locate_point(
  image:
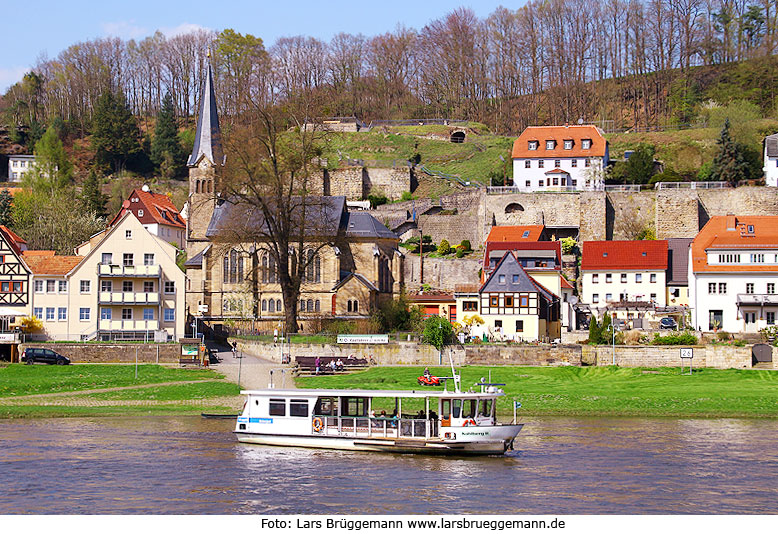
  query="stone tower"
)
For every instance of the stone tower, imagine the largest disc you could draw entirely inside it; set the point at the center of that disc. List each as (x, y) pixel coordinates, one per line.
(205, 165)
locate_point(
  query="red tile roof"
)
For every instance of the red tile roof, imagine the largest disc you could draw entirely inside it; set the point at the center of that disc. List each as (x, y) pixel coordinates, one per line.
(13, 240)
(56, 265)
(157, 209)
(515, 233)
(624, 255)
(565, 284)
(576, 133)
(716, 235)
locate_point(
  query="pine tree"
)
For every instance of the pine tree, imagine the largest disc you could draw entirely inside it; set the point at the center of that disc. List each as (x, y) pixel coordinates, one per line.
(165, 148)
(729, 165)
(594, 331)
(6, 208)
(115, 134)
(91, 195)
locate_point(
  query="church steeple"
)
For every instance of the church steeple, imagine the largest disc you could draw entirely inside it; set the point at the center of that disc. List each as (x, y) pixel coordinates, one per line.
(208, 140)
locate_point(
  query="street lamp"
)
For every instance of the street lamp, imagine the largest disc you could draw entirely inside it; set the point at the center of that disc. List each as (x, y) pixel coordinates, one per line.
(612, 327)
(440, 352)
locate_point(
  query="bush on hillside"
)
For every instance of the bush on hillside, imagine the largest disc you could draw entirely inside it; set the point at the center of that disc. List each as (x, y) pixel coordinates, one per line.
(678, 338)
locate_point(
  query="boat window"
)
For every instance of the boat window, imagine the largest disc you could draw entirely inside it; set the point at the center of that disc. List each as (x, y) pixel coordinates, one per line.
(298, 408)
(485, 408)
(325, 406)
(457, 408)
(468, 408)
(356, 407)
(278, 407)
(445, 409)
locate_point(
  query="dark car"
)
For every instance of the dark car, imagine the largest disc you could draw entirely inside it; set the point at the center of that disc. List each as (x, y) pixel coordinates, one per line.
(30, 356)
(668, 323)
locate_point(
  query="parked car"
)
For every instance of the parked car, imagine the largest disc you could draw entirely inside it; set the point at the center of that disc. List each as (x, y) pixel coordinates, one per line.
(30, 356)
(668, 323)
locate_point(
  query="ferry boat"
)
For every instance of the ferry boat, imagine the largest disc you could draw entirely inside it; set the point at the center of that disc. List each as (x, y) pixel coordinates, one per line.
(452, 422)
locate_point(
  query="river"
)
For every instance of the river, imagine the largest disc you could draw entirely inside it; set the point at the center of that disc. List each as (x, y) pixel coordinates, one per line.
(190, 465)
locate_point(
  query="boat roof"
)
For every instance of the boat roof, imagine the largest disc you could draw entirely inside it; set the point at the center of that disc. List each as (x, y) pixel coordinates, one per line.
(367, 393)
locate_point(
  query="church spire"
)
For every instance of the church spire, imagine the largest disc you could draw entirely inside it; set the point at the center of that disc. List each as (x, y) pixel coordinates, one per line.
(208, 140)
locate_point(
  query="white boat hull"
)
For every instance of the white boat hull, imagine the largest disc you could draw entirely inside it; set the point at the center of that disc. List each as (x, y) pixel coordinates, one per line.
(499, 439)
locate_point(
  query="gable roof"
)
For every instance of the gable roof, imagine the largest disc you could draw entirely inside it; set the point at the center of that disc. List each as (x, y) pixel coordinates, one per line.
(515, 233)
(13, 240)
(729, 232)
(510, 266)
(157, 208)
(346, 276)
(564, 284)
(621, 255)
(559, 134)
(325, 217)
(678, 261)
(363, 224)
(54, 265)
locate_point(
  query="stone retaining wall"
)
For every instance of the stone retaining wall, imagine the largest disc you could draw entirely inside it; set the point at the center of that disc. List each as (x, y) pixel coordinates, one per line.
(113, 353)
(410, 353)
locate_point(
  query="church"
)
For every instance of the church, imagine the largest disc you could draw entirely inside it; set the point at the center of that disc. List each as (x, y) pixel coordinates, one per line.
(355, 263)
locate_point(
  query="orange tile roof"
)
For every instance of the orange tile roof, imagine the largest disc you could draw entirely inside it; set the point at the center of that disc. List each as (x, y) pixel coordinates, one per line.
(12, 190)
(56, 265)
(565, 284)
(515, 233)
(27, 253)
(715, 235)
(624, 255)
(157, 208)
(13, 240)
(576, 133)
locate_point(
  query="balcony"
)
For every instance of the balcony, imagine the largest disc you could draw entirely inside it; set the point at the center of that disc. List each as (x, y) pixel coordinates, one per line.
(127, 325)
(128, 298)
(752, 299)
(128, 271)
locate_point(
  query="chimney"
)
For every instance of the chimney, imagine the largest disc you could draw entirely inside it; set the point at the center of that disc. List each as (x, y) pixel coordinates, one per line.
(731, 222)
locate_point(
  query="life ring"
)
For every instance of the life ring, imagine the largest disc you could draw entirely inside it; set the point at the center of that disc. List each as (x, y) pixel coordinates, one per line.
(318, 424)
(469, 422)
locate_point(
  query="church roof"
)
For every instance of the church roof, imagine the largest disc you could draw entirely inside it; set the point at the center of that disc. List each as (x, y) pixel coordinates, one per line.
(208, 139)
(362, 224)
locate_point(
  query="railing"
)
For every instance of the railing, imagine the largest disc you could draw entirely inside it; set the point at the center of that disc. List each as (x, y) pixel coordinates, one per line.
(623, 188)
(692, 185)
(512, 189)
(128, 325)
(128, 298)
(148, 271)
(757, 300)
(445, 176)
(378, 426)
(377, 163)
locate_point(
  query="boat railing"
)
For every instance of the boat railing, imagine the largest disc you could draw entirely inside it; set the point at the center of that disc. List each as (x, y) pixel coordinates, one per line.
(379, 427)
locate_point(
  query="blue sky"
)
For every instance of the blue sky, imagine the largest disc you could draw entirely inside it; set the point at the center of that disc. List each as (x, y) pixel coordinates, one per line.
(51, 26)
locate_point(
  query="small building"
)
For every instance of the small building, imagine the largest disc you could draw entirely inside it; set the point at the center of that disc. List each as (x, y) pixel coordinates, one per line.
(516, 307)
(19, 165)
(770, 157)
(733, 274)
(157, 214)
(559, 158)
(629, 272)
(678, 271)
(438, 304)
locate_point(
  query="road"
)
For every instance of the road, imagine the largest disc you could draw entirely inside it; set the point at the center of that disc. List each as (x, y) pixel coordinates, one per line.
(252, 372)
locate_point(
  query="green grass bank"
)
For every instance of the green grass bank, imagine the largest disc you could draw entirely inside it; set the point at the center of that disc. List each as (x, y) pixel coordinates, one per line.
(100, 390)
(597, 391)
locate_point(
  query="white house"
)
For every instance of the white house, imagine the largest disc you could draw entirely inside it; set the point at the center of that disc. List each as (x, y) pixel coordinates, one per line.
(553, 158)
(18, 165)
(771, 160)
(624, 276)
(733, 273)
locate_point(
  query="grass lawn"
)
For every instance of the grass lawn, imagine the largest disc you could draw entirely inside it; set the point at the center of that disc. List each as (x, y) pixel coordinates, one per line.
(204, 390)
(596, 391)
(19, 412)
(19, 379)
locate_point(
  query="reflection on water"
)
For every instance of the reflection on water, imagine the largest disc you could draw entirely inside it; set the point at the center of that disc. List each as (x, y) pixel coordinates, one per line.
(183, 465)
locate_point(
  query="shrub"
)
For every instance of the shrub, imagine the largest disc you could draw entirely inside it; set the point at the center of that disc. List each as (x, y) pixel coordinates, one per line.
(460, 252)
(568, 245)
(465, 244)
(722, 336)
(444, 247)
(377, 200)
(407, 196)
(679, 338)
(437, 331)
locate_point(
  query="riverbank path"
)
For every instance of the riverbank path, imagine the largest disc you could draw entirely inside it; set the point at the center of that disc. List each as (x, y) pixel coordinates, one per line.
(254, 372)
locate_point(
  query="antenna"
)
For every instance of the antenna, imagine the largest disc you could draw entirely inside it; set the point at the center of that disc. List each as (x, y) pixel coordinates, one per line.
(580, 121)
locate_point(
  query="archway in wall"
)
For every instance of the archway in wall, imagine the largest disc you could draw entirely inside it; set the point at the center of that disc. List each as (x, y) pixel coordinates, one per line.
(458, 137)
(514, 207)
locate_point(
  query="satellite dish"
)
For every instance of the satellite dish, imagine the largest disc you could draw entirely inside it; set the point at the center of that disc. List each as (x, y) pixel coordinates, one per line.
(145, 188)
(580, 121)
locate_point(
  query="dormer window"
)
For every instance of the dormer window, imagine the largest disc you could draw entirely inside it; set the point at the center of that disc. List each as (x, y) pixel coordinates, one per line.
(525, 235)
(532, 145)
(550, 144)
(140, 213)
(750, 228)
(568, 144)
(586, 144)
(604, 254)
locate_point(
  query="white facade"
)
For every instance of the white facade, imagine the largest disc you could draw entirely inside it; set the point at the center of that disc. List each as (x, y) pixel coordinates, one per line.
(770, 168)
(538, 174)
(735, 301)
(600, 288)
(18, 166)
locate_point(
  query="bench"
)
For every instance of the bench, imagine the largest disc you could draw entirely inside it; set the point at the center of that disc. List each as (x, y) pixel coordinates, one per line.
(189, 361)
(307, 364)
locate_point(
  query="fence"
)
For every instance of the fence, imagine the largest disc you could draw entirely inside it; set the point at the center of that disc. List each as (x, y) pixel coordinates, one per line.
(692, 185)
(623, 188)
(377, 163)
(417, 122)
